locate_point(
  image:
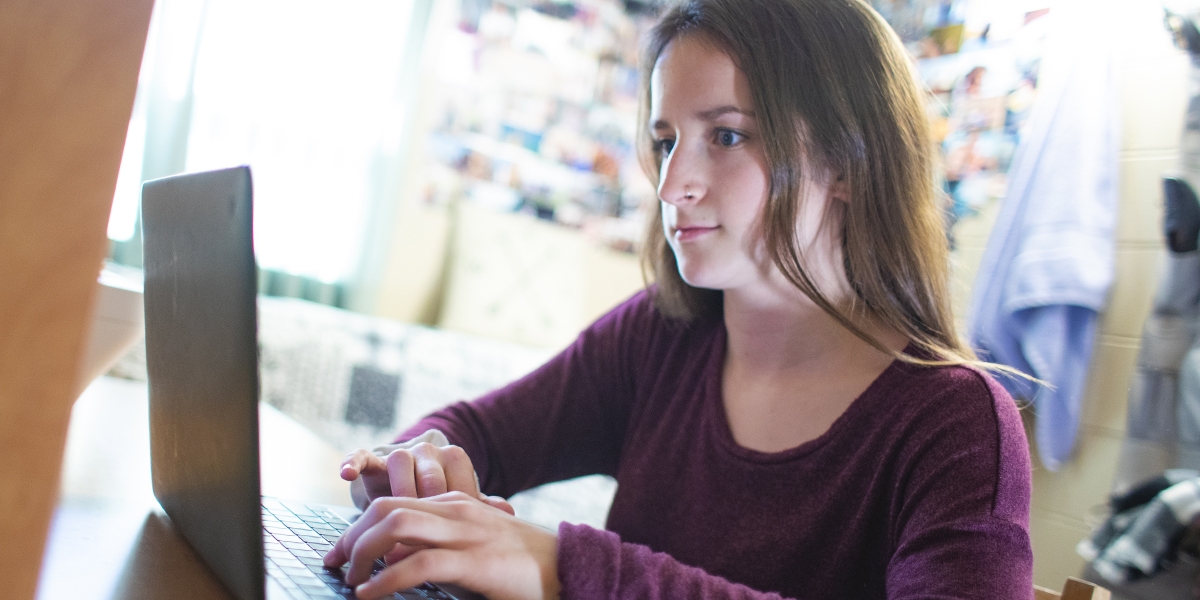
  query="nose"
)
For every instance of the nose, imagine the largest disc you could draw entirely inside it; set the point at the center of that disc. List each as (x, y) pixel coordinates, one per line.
(681, 179)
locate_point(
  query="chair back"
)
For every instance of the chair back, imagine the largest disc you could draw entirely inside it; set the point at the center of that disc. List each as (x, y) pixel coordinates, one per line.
(1075, 589)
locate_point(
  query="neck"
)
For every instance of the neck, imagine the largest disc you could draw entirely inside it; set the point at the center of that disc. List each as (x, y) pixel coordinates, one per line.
(780, 332)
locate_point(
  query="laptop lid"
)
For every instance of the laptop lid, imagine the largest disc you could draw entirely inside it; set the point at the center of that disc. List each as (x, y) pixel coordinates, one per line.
(202, 362)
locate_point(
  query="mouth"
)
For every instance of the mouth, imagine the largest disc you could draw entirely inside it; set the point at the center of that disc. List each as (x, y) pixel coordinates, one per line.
(685, 234)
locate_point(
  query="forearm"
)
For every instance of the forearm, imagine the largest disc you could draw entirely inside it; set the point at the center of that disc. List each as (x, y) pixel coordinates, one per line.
(597, 565)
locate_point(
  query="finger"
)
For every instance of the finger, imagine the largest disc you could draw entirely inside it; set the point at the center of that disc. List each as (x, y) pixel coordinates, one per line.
(403, 526)
(401, 474)
(358, 461)
(399, 553)
(426, 565)
(498, 502)
(340, 553)
(457, 506)
(460, 473)
(431, 479)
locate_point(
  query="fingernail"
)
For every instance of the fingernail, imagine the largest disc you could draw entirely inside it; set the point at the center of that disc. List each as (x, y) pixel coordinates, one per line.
(362, 590)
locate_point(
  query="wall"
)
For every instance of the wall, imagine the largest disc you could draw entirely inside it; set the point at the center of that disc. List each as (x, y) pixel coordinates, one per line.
(1151, 75)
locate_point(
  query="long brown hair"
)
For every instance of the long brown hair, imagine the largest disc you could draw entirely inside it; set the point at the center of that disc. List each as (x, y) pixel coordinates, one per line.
(833, 89)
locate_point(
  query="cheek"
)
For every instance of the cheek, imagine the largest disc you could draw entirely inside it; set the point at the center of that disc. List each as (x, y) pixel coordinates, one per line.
(745, 184)
(744, 171)
(668, 217)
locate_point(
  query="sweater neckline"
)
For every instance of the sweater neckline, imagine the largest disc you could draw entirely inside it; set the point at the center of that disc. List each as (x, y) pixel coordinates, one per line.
(719, 420)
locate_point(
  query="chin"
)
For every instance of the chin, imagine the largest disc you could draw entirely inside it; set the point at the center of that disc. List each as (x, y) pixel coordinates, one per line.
(696, 276)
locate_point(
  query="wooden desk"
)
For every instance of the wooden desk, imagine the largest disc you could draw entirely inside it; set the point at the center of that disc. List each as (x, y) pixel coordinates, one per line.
(110, 539)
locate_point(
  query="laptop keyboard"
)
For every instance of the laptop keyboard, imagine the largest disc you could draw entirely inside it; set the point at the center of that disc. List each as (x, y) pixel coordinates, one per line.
(296, 537)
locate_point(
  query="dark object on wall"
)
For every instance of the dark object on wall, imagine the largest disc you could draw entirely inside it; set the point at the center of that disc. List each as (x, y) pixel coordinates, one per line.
(372, 397)
(1182, 222)
(1184, 29)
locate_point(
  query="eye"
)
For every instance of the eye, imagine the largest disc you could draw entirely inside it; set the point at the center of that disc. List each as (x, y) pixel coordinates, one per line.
(729, 137)
(664, 146)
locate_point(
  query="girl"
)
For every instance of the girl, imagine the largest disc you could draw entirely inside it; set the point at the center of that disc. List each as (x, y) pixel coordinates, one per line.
(787, 410)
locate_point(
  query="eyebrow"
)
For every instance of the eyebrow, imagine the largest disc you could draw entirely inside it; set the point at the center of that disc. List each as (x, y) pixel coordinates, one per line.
(708, 115)
(712, 113)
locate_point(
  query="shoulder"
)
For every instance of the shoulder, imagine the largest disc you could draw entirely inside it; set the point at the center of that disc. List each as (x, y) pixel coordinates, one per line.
(637, 309)
(961, 416)
(958, 395)
(638, 322)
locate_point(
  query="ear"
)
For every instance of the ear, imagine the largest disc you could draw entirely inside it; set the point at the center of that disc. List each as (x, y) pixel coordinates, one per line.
(839, 189)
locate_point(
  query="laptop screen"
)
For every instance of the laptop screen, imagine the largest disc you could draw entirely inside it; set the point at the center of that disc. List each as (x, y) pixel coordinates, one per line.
(202, 362)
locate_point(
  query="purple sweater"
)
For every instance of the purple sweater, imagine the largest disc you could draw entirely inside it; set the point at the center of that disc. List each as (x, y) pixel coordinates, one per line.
(919, 490)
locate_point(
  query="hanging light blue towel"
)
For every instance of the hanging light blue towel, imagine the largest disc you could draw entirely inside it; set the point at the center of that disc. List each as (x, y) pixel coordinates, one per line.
(1048, 264)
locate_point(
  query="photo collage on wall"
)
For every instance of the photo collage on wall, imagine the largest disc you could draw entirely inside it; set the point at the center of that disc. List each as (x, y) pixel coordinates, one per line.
(535, 104)
(534, 111)
(980, 61)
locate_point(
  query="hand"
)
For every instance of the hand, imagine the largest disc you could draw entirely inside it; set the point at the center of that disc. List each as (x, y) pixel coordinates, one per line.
(452, 538)
(422, 471)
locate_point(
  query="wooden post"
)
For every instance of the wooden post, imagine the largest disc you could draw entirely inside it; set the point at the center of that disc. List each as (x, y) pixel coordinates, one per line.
(68, 73)
(1078, 589)
(1075, 589)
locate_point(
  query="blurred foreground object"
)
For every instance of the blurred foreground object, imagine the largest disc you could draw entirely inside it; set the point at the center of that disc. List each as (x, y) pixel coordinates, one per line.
(69, 69)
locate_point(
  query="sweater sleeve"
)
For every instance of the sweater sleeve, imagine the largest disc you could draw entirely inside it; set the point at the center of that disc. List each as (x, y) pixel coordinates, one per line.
(597, 565)
(565, 419)
(960, 526)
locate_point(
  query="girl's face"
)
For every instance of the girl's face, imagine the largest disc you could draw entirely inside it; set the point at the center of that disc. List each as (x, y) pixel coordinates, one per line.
(714, 176)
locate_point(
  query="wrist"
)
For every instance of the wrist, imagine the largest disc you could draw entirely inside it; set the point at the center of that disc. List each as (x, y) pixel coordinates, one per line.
(548, 564)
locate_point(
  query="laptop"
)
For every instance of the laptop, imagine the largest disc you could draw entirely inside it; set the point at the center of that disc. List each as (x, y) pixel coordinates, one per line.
(202, 362)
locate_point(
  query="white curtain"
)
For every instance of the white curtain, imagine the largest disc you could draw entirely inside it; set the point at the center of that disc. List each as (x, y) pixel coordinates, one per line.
(306, 92)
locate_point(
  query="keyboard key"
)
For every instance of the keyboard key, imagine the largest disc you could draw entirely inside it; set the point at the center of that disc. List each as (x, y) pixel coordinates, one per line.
(291, 562)
(297, 569)
(319, 592)
(295, 506)
(288, 583)
(284, 583)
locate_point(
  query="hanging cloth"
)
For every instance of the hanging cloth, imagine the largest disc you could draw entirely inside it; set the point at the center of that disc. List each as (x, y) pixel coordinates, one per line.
(1048, 263)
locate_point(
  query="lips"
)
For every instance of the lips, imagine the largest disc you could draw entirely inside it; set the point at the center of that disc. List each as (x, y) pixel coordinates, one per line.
(684, 234)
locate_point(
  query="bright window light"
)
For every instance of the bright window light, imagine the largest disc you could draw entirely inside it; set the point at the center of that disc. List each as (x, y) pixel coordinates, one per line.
(303, 92)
